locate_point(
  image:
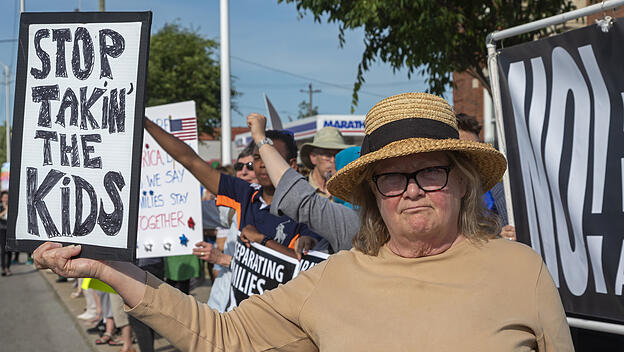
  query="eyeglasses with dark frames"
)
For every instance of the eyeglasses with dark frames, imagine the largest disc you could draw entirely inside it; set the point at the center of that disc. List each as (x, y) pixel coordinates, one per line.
(239, 166)
(429, 179)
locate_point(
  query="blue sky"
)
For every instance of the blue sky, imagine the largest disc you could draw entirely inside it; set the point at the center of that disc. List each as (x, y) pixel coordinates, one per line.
(262, 32)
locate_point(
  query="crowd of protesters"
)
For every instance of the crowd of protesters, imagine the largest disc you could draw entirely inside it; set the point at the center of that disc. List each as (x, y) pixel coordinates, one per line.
(350, 200)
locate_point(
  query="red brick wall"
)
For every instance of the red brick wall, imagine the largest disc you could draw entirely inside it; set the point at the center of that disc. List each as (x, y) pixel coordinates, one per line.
(466, 98)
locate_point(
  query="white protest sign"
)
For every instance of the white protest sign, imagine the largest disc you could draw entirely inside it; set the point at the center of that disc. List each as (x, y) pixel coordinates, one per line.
(170, 214)
(76, 150)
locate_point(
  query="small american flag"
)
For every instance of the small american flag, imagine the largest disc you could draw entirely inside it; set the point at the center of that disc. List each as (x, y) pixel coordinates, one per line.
(184, 129)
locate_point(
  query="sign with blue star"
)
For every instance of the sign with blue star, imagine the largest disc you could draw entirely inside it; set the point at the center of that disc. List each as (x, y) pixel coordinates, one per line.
(170, 208)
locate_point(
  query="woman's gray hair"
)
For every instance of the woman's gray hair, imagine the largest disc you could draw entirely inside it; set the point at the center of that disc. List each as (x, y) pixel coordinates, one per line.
(475, 221)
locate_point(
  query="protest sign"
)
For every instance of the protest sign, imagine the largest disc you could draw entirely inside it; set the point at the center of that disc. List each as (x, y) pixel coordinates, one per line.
(77, 131)
(170, 212)
(257, 268)
(309, 260)
(562, 107)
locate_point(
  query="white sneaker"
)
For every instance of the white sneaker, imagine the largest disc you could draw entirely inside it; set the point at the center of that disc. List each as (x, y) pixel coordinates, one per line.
(87, 316)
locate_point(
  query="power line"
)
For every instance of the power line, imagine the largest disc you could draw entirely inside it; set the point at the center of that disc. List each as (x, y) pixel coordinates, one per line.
(7, 40)
(303, 77)
(256, 108)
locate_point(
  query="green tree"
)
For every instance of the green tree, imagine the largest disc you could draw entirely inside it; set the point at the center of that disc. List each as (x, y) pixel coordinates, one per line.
(3, 156)
(305, 111)
(182, 67)
(434, 37)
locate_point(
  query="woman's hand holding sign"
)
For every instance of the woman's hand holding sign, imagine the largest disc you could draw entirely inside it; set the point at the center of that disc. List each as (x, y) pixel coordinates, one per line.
(61, 260)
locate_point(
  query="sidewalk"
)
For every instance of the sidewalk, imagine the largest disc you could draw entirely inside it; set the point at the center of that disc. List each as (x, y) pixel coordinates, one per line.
(75, 306)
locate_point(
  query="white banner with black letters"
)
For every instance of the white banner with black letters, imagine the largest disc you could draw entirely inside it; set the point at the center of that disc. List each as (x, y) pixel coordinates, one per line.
(77, 131)
(563, 101)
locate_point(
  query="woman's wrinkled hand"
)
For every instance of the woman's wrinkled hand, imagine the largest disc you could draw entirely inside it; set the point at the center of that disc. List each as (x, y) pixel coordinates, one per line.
(206, 251)
(62, 261)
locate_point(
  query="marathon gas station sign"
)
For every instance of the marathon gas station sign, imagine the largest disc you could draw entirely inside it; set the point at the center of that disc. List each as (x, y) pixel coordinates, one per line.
(305, 129)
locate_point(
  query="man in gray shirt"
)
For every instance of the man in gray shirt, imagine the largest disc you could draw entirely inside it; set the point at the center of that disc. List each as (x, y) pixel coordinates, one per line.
(297, 199)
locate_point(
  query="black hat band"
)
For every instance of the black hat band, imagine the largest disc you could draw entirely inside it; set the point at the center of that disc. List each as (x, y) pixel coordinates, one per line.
(405, 129)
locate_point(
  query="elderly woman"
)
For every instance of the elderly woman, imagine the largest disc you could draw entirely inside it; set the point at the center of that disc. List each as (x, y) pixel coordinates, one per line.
(425, 273)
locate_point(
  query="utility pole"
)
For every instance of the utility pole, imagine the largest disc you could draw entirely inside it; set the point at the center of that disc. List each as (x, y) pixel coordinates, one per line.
(310, 91)
(22, 6)
(102, 5)
(226, 118)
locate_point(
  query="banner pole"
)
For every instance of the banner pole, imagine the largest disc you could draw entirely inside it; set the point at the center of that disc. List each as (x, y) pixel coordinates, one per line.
(596, 326)
(551, 21)
(500, 128)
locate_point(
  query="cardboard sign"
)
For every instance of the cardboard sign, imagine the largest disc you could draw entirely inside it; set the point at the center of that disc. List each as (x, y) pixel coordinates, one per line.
(256, 269)
(170, 211)
(76, 149)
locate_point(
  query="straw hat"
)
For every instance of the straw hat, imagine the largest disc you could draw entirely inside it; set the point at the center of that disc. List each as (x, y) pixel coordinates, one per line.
(325, 138)
(412, 123)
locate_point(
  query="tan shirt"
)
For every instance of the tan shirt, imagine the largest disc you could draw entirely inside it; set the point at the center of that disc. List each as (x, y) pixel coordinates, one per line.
(496, 296)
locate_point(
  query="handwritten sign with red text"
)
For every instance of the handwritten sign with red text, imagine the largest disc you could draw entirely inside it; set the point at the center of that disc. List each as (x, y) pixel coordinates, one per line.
(170, 217)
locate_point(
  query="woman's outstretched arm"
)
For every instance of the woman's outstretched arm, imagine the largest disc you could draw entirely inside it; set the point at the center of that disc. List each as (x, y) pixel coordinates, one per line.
(126, 279)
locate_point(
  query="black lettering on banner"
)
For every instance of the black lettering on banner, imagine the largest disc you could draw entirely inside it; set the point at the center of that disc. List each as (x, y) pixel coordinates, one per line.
(105, 113)
(111, 222)
(43, 95)
(35, 204)
(86, 104)
(73, 149)
(257, 269)
(88, 162)
(82, 36)
(562, 106)
(117, 111)
(60, 36)
(84, 228)
(47, 152)
(114, 50)
(43, 56)
(65, 192)
(69, 101)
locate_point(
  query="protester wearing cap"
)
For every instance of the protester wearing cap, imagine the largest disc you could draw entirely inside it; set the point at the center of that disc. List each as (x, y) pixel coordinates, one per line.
(424, 273)
(319, 156)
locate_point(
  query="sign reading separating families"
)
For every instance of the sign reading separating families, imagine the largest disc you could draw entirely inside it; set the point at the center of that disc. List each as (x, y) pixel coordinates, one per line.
(257, 268)
(563, 103)
(77, 131)
(170, 211)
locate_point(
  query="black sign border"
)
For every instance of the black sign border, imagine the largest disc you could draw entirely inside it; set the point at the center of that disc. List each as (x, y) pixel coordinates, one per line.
(88, 251)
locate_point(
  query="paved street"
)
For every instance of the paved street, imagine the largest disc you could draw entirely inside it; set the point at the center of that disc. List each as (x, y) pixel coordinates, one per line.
(33, 319)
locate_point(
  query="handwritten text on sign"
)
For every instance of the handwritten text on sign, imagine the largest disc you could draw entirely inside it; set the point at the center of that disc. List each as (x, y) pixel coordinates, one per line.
(78, 128)
(170, 217)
